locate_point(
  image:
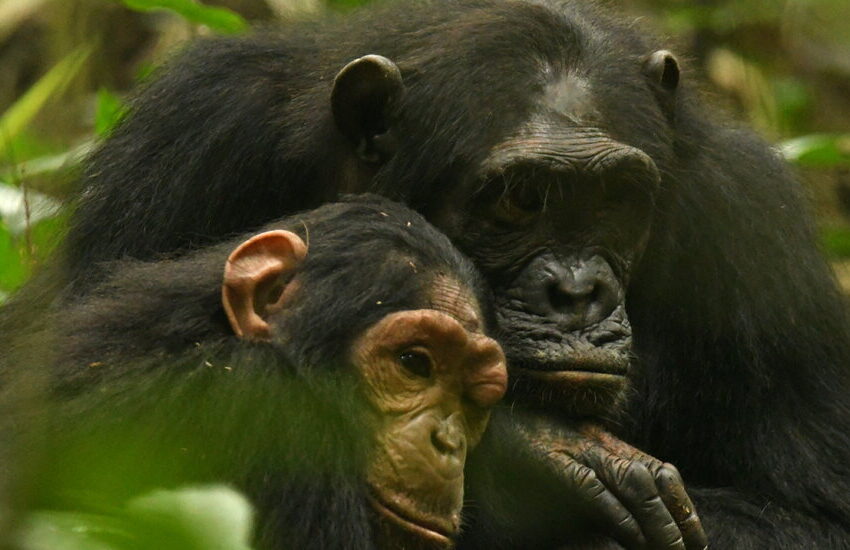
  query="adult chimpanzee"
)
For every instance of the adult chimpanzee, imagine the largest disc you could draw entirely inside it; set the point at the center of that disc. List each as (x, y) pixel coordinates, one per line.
(330, 372)
(556, 146)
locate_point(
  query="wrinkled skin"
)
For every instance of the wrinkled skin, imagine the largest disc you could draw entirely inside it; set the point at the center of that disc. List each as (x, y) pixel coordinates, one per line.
(609, 494)
(649, 496)
(430, 383)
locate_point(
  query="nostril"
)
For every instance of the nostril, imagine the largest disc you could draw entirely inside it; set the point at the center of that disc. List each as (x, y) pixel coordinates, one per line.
(558, 299)
(444, 442)
(564, 299)
(447, 438)
(438, 443)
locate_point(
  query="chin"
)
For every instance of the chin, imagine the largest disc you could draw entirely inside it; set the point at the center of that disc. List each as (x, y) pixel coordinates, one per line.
(592, 383)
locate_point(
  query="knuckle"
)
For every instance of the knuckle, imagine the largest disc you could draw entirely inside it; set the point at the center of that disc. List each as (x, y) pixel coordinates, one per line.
(671, 473)
(586, 478)
(637, 476)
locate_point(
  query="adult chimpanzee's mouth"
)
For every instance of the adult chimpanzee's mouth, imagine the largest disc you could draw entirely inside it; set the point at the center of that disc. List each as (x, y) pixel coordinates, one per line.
(432, 529)
(603, 368)
(589, 382)
(592, 362)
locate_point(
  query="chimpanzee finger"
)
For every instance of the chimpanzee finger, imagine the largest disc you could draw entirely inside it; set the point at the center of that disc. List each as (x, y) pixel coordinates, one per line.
(672, 489)
(600, 503)
(635, 487)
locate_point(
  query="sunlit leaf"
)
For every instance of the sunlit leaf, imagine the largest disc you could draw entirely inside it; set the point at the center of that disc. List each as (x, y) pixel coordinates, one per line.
(28, 105)
(20, 207)
(218, 19)
(46, 165)
(71, 531)
(209, 518)
(818, 150)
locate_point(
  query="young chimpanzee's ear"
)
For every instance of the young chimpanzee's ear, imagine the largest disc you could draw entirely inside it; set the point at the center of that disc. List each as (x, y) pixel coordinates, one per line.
(364, 92)
(256, 277)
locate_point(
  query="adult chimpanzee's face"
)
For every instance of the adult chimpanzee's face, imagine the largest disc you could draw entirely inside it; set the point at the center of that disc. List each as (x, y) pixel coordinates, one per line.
(547, 181)
(558, 214)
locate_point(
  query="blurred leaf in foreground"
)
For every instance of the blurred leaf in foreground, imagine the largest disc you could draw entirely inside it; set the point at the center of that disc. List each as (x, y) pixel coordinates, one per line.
(818, 150)
(207, 518)
(51, 84)
(220, 20)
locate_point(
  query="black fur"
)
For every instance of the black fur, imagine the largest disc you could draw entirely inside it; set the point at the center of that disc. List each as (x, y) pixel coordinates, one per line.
(740, 330)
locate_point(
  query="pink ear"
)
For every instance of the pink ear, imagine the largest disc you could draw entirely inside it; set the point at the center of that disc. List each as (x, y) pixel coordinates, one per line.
(254, 280)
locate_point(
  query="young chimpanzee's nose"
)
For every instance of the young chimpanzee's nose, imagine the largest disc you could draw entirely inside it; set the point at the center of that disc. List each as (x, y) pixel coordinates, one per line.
(575, 294)
(448, 436)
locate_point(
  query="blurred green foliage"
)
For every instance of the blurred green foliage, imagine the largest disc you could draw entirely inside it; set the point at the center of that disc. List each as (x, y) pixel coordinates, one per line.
(21, 113)
(208, 518)
(218, 19)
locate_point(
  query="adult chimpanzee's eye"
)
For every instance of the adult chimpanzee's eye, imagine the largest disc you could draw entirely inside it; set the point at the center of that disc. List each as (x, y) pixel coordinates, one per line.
(416, 362)
(520, 206)
(508, 211)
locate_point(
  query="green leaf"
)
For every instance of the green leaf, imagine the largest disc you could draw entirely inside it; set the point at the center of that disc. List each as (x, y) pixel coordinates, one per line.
(818, 150)
(220, 20)
(14, 270)
(108, 111)
(836, 241)
(26, 146)
(28, 105)
(19, 254)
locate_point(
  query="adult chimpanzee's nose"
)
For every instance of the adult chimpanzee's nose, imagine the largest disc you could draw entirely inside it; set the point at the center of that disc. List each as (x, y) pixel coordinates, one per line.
(575, 294)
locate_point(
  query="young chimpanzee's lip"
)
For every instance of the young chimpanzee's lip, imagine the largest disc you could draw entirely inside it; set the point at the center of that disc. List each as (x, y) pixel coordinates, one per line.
(431, 529)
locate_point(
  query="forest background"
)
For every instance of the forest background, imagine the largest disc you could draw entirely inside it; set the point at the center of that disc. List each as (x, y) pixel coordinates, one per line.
(67, 67)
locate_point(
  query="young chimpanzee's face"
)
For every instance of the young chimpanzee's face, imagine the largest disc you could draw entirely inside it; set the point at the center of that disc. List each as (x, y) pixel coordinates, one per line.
(428, 373)
(431, 377)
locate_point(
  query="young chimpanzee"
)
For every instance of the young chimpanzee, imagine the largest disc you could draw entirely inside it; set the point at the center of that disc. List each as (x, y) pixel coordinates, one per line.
(333, 366)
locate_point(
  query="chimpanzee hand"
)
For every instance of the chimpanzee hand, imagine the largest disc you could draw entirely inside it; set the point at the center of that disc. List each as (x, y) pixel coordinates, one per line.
(639, 500)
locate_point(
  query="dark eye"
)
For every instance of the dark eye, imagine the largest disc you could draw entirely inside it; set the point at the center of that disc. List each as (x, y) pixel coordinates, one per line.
(518, 206)
(510, 212)
(416, 362)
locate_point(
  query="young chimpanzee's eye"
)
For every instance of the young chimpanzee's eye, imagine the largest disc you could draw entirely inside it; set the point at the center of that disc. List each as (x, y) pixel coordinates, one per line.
(416, 362)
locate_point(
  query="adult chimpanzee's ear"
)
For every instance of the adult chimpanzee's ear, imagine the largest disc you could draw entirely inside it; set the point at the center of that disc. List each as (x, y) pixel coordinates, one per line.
(364, 92)
(662, 68)
(256, 277)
